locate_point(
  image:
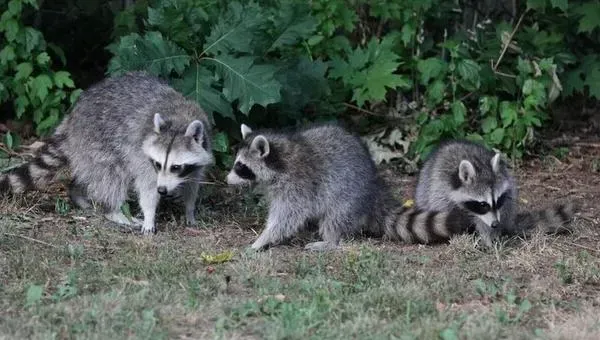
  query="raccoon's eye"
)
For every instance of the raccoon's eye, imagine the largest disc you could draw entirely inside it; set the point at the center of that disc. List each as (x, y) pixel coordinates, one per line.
(156, 164)
(501, 200)
(480, 208)
(175, 168)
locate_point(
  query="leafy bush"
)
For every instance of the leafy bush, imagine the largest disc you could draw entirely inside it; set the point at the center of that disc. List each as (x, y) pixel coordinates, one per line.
(229, 58)
(487, 71)
(37, 91)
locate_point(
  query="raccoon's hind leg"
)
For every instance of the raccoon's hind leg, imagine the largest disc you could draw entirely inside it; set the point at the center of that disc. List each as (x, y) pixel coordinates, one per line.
(78, 195)
(283, 222)
(190, 197)
(332, 227)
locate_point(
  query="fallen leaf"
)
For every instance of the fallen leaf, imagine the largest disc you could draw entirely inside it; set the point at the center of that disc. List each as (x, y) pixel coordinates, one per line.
(217, 258)
(408, 203)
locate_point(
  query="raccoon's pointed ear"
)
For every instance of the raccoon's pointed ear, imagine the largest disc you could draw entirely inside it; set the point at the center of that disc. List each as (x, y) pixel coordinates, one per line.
(158, 122)
(495, 163)
(466, 171)
(195, 130)
(246, 130)
(260, 144)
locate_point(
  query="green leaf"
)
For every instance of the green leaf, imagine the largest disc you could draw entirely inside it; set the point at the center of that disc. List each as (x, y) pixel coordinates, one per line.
(43, 59)
(377, 79)
(40, 86)
(152, 52)
(469, 70)
(303, 81)
(23, 71)
(74, 95)
(249, 83)
(34, 295)
(220, 142)
(11, 29)
(488, 104)
(592, 80)
(63, 78)
(489, 124)
(497, 135)
(15, 7)
(293, 24)
(430, 69)
(435, 92)
(7, 54)
(8, 140)
(508, 113)
(234, 31)
(33, 39)
(33, 3)
(590, 19)
(536, 4)
(20, 104)
(49, 122)
(524, 66)
(561, 4)
(459, 112)
(196, 84)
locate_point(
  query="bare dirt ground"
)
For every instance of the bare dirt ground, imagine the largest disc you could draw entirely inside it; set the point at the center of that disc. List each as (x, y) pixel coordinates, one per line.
(66, 273)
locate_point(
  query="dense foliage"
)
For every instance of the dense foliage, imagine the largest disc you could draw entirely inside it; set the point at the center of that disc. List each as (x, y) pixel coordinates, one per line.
(424, 69)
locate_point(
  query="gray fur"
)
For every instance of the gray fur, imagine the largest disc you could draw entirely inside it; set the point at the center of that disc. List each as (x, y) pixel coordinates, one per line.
(323, 173)
(460, 171)
(109, 140)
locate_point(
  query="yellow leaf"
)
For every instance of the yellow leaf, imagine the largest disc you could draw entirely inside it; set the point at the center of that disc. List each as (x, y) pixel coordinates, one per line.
(217, 258)
(524, 200)
(408, 203)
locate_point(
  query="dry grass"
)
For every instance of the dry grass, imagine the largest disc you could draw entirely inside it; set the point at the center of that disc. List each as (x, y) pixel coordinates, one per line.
(68, 274)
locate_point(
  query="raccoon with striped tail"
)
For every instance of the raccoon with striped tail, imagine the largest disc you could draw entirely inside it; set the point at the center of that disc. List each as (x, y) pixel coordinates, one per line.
(466, 175)
(123, 132)
(323, 173)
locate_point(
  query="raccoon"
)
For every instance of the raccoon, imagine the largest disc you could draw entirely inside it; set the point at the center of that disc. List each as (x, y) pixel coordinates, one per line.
(324, 174)
(131, 131)
(465, 175)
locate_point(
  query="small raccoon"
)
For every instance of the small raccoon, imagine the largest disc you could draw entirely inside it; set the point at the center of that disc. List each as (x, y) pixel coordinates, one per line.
(465, 175)
(128, 131)
(325, 174)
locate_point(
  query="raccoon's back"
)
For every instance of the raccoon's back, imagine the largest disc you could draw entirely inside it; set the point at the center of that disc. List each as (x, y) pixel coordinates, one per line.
(346, 168)
(119, 108)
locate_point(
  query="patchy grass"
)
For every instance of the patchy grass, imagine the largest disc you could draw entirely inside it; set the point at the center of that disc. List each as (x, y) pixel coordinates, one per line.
(65, 273)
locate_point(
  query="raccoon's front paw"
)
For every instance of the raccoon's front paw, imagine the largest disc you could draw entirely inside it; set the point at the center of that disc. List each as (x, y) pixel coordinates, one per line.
(321, 246)
(190, 219)
(258, 245)
(148, 229)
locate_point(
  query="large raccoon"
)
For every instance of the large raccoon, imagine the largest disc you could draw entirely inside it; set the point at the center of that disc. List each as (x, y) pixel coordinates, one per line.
(324, 174)
(465, 175)
(128, 131)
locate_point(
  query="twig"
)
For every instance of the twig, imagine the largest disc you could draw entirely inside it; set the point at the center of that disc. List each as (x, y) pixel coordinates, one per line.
(510, 37)
(590, 145)
(32, 240)
(361, 110)
(583, 247)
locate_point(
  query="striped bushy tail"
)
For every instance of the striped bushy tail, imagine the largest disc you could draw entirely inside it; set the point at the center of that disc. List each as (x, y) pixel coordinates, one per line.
(413, 225)
(35, 174)
(550, 220)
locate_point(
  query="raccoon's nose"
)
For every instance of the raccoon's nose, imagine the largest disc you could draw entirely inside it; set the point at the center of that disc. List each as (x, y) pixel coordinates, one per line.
(162, 190)
(495, 224)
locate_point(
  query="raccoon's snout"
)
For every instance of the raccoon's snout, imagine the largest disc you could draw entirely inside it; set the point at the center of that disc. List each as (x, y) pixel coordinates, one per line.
(162, 190)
